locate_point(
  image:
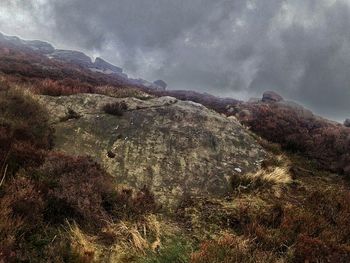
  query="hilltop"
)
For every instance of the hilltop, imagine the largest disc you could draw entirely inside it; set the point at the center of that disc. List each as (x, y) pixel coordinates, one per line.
(98, 167)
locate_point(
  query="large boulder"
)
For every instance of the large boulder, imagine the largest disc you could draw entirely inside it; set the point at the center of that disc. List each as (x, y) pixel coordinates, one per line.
(173, 147)
(271, 96)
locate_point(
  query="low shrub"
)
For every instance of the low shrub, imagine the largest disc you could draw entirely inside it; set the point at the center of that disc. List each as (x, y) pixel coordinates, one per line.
(129, 203)
(231, 249)
(21, 206)
(70, 115)
(299, 131)
(317, 231)
(36, 202)
(310, 249)
(63, 87)
(25, 134)
(75, 188)
(115, 108)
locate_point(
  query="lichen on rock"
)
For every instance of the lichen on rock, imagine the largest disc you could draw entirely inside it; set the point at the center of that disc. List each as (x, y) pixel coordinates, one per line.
(173, 147)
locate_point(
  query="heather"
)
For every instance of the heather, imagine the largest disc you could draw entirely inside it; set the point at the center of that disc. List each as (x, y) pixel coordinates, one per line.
(61, 207)
(42, 191)
(326, 142)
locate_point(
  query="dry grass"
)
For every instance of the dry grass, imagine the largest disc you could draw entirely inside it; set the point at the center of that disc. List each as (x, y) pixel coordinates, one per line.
(307, 222)
(274, 174)
(84, 246)
(4, 173)
(140, 236)
(124, 241)
(277, 176)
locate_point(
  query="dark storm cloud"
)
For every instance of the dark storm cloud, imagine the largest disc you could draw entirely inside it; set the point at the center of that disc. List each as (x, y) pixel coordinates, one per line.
(300, 48)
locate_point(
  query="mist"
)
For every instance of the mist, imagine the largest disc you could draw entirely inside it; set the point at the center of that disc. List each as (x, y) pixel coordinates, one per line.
(235, 48)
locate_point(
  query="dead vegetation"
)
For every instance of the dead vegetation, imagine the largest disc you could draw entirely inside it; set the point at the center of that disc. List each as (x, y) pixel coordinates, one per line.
(124, 241)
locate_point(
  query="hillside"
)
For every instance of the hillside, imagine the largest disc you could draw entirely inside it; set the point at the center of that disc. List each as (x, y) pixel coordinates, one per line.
(97, 167)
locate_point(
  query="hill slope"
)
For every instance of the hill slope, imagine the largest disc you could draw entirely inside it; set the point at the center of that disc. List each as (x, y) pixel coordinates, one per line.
(97, 168)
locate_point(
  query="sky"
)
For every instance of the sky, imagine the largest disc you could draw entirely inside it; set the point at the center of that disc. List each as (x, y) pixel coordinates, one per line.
(229, 48)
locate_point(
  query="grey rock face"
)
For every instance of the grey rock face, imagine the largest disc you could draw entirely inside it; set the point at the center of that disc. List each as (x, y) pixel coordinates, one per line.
(42, 47)
(171, 146)
(36, 45)
(271, 96)
(105, 66)
(161, 83)
(71, 56)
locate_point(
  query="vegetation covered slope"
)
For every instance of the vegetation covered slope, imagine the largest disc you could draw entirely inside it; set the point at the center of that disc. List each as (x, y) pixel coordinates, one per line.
(59, 208)
(56, 207)
(298, 130)
(41, 190)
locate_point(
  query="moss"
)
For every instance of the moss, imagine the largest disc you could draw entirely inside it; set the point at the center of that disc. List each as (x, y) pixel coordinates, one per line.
(175, 250)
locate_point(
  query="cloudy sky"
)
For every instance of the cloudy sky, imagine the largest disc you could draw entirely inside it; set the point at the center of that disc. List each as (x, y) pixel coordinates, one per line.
(238, 48)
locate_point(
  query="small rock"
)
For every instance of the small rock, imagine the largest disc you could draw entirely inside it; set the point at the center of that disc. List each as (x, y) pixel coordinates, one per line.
(244, 115)
(347, 123)
(230, 110)
(271, 96)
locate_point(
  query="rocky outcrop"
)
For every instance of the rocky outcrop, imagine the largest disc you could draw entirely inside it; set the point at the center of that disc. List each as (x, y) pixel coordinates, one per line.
(161, 83)
(212, 102)
(71, 56)
(74, 58)
(173, 147)
(271, 96)
(147, 84)
(35, 45)
(40, 46)
(106, 67)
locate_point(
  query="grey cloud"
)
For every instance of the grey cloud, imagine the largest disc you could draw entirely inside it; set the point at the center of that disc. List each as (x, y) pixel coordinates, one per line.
(300, 48)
